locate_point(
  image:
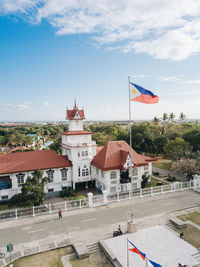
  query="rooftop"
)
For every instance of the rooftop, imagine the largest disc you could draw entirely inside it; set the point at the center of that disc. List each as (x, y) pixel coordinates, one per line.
(32, 160)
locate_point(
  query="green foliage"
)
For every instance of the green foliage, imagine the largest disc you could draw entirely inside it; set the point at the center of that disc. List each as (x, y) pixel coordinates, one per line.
(193, 138)
(68, 192)
(32, 191)
(176, 149)
(145, 179)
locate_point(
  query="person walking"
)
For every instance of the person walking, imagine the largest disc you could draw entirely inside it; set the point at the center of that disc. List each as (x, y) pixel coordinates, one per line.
(60, 214)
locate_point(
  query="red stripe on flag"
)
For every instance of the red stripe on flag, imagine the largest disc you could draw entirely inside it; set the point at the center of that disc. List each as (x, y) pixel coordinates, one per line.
(135, 250)
(146, 99)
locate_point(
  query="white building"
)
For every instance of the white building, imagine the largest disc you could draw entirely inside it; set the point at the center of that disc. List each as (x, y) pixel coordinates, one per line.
(81, 163)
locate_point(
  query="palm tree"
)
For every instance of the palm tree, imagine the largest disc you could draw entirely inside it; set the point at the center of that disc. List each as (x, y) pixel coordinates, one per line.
(182, 116)
(165, 117)
(171, 117)
(156, 120)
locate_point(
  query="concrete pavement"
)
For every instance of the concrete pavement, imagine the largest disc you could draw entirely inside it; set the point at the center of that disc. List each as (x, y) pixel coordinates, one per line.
(89, 225)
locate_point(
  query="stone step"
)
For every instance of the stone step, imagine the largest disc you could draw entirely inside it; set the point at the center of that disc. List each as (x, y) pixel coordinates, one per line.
(93, 247)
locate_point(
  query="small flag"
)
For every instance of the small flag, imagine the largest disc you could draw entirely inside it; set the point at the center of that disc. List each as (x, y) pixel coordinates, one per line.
(142, 95)
(135, 250)
(154, 264)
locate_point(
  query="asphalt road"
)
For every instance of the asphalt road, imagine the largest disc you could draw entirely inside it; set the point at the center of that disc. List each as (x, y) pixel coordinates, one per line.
(87, 220)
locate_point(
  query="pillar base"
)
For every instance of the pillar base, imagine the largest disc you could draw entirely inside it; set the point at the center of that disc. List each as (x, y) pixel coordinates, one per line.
(131, 227)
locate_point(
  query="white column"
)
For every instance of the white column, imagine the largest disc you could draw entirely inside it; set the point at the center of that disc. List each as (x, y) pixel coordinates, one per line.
(65, 205)
(80, 203)
(49, 207)
(33, 211)
(172, 187)
(90, 203)
(105, 199)
(141, 192)
(161, 189)
(151, 191)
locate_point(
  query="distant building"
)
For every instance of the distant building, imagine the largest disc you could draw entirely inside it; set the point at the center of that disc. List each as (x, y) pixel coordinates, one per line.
(82, 163)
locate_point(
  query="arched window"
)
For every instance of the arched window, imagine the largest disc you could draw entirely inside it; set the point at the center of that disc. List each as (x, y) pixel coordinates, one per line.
(86, 153)
(82, 154)
(113, 175)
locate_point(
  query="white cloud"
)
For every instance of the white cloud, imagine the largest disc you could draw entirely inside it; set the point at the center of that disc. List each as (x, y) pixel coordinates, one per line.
(46, 103)
(190, 92)
(170, 78)
(161, 28)
(16, 106)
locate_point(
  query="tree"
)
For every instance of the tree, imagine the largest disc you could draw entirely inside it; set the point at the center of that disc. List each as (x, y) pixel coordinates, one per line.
(187, 166)
(156, 120)
(171, 117)
(176, 149)
(182, 116)
(165, 117)
(160, 142)
(145, 179)
(32, 191)
(193, 137)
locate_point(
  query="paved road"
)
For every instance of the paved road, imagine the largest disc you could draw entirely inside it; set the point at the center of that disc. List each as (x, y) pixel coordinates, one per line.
(87, 222)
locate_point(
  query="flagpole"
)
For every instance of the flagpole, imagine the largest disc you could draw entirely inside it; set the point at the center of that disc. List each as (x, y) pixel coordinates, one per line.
(127, 254)
(130, 175)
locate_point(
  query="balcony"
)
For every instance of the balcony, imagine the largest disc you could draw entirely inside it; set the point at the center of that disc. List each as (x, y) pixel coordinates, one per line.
(92, 143)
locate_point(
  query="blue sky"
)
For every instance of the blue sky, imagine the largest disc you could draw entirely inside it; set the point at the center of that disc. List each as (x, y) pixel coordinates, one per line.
(54, 51)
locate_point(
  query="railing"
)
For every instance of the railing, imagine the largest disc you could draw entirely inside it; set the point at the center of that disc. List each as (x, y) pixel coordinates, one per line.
(97, 200)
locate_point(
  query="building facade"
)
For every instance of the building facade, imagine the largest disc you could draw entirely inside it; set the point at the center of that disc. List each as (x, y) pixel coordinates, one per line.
(82, 163)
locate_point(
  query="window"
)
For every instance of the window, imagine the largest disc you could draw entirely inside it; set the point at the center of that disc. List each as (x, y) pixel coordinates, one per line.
(113, 175)
(87, 172)
(82, 154)
(113, 181)
(4, 197)
(146, 167)
(20, 179)
(113, 189)
(102, 174)
(50, 175)
(134, 172)
(86, 153)
(64, 174)
(78, 154)
(79, 171)
(50, 190)
(83, 172)
(97, 171)
(64, 187)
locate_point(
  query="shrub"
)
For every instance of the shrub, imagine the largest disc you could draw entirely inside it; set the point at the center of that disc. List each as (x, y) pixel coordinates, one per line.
(156, 173)
(67, 193)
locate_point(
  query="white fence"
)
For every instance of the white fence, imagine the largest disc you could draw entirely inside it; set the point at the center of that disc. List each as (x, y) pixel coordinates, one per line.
(97, 200)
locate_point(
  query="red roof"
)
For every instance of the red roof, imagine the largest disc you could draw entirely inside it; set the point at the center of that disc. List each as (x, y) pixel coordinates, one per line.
(32, 160)
(71, 113)
(114, 154)
(77, 132)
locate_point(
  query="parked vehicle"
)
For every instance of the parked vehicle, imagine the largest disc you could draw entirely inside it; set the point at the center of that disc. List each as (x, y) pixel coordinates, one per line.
(118, 232)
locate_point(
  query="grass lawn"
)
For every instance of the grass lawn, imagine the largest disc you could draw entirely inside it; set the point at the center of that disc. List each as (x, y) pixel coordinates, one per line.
(194, 217)
(191, 235)
(163, 164)
(50, 258)
(154, 182)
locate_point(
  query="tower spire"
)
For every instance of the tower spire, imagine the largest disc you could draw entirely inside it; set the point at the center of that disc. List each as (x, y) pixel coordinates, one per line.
(75, 103)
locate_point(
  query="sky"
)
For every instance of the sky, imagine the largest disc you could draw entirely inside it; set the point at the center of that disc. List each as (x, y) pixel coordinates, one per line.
(55, 51)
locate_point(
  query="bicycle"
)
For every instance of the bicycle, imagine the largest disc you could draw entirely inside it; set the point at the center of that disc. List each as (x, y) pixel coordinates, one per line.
(2, 255)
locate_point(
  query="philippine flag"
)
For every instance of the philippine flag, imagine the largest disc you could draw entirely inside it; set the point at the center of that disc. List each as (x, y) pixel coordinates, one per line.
(135, 250)
(138, 93)
(153, 264)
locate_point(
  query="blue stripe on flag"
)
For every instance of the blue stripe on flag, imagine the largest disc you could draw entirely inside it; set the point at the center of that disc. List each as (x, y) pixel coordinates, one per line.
(142, 90)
